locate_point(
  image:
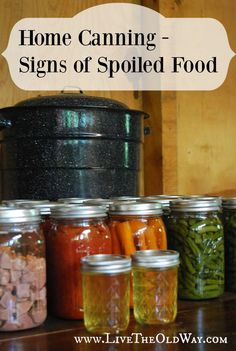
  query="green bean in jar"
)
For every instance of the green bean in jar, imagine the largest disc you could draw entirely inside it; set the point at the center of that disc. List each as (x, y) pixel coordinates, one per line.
(196, 231)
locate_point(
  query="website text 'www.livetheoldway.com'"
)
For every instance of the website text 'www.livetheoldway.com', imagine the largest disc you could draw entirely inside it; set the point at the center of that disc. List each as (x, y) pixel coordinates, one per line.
(160, 338)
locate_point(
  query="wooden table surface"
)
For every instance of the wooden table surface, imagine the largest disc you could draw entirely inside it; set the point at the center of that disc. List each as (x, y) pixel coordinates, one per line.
(214, 320)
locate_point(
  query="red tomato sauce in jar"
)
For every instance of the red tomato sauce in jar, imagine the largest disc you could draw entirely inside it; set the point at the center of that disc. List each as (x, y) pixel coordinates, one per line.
(76, 231)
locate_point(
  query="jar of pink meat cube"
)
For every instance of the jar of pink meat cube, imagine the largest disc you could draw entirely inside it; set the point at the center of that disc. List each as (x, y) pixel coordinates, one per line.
(22, 270)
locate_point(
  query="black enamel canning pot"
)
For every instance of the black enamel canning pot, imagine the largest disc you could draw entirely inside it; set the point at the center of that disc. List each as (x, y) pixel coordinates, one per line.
(70, 145)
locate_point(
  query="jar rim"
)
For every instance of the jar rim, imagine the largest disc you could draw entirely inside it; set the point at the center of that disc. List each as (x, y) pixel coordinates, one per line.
(44, 208)
(155, 258)
(229, 202)
(135, 208)
(78, 211)
(196, 204)
(18, 215)
(106, 263)
(19, 202)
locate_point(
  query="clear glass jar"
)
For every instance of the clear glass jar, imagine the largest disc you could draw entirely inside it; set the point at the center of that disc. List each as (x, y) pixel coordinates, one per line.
(107, 310)
(136, 226)
(44, 207)
(155, 275)
(196, 231)
(76, 231)
(23, 302)
(164, 200)
(229, 221)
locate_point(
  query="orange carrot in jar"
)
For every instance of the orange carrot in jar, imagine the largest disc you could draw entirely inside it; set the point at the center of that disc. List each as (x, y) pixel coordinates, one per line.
(140, 241)
(137, 225)
(126, 238)
(159, 226)
(116, 249)
(150, 236)
(138, 228)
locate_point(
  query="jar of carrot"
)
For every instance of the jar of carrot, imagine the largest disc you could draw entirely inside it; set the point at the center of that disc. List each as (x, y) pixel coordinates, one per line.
(76, 231)
(136, 226)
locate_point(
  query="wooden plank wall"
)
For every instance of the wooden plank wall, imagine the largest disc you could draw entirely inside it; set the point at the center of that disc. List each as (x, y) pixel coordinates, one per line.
(191, 145)
(203, 124)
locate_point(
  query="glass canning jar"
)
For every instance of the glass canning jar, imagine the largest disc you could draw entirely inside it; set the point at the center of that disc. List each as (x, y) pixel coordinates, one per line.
(107, 310)
(22, 270)
(229, 221)
(44, 208)
(164, 200)
(196, 231)
(155, 275)
(76, 231)
(136, 226)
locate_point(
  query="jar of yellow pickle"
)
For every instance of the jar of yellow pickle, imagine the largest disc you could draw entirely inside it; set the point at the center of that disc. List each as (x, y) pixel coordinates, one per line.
(155, 274)
(106, 293)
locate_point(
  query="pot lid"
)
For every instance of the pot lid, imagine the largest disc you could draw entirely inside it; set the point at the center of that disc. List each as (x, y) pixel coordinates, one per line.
(72, 100)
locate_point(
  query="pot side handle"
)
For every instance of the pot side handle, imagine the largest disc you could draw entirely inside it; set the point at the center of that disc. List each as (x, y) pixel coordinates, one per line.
(4, 123)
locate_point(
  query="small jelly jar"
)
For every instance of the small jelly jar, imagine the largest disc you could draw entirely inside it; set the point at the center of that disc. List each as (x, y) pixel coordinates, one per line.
(155, 274)
(106, 293)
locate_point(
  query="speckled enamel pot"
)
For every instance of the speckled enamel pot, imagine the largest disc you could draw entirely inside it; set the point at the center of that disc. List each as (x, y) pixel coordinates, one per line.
(70, 145)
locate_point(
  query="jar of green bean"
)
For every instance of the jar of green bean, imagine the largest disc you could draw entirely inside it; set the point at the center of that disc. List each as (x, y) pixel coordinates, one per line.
(196, 232)
(229, 221)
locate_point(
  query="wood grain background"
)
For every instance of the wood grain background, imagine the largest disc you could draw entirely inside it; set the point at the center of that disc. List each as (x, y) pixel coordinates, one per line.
(191, 147)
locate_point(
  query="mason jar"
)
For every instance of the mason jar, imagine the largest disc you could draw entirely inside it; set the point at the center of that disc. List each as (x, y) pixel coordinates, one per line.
(106, 293)
(155, 274)
(164, 200)
(229, 221)
(76, 231)
(44, 209)
(136, 226)
(196, 232)
(23, 302)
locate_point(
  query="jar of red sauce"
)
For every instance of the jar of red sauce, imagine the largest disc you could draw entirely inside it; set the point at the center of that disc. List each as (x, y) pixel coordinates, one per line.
(76, 231)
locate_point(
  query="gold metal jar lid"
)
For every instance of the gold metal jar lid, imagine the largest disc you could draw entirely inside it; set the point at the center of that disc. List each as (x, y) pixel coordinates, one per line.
(106, 264)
